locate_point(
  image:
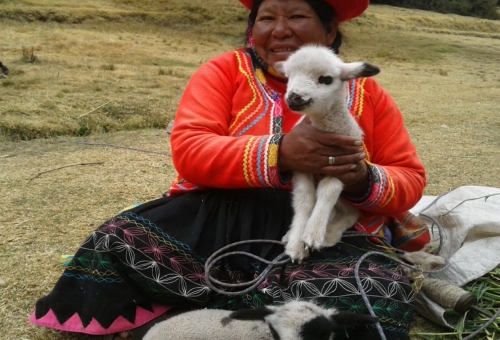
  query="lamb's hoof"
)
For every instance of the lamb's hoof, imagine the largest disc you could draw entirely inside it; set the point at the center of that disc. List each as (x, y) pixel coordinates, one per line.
(297, 252)
(314, 242)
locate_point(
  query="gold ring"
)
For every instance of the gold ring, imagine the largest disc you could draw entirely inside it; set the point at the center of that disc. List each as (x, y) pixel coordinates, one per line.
(331, 160)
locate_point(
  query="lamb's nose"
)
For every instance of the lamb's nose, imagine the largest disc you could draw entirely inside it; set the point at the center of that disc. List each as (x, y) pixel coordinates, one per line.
(294, 99)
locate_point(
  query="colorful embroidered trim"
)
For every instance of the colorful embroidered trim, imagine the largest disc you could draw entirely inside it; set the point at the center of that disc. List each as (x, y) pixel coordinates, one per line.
(260, 161)
(382, 191)
(355, 96)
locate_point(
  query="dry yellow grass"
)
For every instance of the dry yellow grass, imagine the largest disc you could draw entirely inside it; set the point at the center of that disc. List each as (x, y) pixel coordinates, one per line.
(136, 57)
(92, 53)
(50, 215)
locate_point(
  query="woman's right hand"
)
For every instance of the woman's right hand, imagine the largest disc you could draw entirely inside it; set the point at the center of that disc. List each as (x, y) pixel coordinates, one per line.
(306, 149)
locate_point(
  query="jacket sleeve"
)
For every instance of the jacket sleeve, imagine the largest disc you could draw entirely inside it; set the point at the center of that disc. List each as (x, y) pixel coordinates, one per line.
(396, 173)
(204, 153)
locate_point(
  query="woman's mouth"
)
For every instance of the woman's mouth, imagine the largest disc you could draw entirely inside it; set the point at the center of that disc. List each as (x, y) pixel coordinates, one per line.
(283, 50)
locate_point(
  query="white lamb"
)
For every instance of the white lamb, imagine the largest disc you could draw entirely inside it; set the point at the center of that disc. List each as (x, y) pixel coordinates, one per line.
(317, 88)
(295, 320)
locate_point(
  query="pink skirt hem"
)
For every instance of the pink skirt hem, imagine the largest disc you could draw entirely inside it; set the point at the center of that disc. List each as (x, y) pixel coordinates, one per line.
(74, 324)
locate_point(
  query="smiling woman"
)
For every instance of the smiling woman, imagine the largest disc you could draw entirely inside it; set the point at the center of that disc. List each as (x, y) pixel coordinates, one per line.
(235, 146)
(280, 28)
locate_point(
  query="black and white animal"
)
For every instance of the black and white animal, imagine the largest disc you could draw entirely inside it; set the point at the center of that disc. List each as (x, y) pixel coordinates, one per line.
(317, 88)
(295, 320)
(4, 71)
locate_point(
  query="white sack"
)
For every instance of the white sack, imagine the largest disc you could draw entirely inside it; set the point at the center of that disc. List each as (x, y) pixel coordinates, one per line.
(470, 221)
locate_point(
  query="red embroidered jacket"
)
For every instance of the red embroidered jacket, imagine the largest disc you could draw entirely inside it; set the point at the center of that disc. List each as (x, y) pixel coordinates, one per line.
(231, 118)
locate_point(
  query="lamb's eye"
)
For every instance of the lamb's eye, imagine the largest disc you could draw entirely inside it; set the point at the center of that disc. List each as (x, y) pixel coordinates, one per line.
(327, 80)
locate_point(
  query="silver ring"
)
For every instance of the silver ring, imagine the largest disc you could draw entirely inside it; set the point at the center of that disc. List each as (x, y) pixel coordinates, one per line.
(331, 160)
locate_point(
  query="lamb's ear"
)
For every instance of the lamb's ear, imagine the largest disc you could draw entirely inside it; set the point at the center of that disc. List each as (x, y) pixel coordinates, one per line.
(252, 314)
(352, 319)
(279, 66)
(358, 70)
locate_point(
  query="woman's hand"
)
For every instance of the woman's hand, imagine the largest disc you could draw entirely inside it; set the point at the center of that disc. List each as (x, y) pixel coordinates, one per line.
(356, 181)
(307, 149)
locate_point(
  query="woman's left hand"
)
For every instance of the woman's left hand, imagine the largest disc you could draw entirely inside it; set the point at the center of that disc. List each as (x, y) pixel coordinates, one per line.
(355, 180)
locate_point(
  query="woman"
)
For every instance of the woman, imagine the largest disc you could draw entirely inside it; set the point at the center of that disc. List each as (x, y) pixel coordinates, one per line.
(235, 145)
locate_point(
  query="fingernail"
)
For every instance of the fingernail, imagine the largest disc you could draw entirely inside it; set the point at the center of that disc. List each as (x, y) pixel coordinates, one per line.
(362, 156)
(353, 167)
(361, 150)
(358, 143)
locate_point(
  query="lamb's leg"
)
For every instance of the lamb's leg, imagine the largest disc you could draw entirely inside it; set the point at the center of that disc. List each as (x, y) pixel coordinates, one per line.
(345, 218)
(328, 192)
(303, 203)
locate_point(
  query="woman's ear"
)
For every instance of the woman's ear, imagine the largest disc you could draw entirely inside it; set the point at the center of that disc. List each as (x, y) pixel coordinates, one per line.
(331, 33)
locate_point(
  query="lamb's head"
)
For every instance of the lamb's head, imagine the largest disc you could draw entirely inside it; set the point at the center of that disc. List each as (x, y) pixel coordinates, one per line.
(316, 78)
(301, 320)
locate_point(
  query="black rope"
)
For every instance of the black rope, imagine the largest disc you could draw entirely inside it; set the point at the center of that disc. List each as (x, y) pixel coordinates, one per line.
(215, 257)
(281, 259)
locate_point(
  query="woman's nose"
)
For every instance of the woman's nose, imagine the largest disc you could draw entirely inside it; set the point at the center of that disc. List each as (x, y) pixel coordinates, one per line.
(282, 28)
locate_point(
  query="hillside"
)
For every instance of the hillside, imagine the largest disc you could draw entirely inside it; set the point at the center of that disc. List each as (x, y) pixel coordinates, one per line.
(131, 60)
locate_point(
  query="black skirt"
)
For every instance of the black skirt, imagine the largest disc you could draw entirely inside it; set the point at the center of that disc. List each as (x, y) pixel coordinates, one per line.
(147, 259)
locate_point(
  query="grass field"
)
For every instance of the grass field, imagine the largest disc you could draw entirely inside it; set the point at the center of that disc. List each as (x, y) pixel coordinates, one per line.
(82, 68)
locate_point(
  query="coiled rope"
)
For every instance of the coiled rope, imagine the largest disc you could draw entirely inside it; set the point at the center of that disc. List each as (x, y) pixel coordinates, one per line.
(281, 259)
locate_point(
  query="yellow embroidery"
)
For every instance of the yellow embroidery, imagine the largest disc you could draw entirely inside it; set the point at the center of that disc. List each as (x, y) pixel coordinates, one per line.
(368, 157)
(391, 190)
(255, 111)
(254, 92)
(272, 158)
(361, 89)
(245, 161)
(94, 272)
(260, 75)
(251, 169)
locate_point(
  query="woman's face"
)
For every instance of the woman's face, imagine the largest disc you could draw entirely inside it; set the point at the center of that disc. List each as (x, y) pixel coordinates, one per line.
(282, 26)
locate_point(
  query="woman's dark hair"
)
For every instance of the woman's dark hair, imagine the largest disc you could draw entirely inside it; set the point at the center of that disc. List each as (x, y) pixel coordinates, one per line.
(323, 10)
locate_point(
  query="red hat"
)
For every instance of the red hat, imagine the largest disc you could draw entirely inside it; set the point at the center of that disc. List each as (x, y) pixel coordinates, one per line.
(345, 9)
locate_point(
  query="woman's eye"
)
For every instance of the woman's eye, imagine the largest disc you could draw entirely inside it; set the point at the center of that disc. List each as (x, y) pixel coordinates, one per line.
(266, 18)
(297, 16)
(327, 80)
